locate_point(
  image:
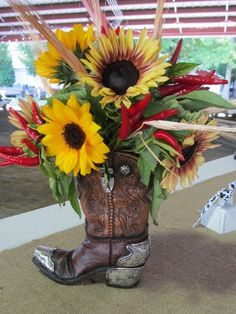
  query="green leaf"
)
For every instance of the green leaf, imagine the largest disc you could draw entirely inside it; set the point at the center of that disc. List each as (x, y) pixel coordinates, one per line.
(152, 108)
(206, 99)
(181, 134)
(158, 195)
(192, 105)
(53, 184)
(64, 94)
(64, 97)
(180, 68)
(146, 164)
(165, 103)
(154, 148)
(45, 164)
(99, 114)
(166, 147)
(64, 181)
(73, 197)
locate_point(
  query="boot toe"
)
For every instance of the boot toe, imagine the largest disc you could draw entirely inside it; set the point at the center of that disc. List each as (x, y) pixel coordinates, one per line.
(43, 258)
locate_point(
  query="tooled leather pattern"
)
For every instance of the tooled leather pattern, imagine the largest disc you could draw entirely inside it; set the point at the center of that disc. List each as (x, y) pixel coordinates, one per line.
(122, 212)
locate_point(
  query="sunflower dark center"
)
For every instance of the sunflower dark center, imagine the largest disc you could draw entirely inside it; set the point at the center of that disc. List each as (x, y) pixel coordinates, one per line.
(119, 76)
(188, 152)
(74, 135)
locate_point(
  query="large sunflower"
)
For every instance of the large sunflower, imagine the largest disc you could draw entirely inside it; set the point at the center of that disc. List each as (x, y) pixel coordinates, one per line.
(51, 65)
(121, 68)
(192, 148)
(72, 137)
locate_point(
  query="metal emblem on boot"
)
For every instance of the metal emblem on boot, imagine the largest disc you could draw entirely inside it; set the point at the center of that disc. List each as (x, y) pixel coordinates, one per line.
(107, 182)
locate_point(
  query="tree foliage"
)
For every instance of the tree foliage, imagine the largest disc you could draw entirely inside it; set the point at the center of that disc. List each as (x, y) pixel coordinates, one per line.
(26, 56)
(7, 75)
(210, 53)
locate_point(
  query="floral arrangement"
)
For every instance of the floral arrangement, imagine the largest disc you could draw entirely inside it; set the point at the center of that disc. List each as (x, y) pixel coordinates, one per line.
(117, 93)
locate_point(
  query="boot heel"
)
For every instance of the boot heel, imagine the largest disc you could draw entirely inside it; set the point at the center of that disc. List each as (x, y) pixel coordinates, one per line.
(123, 277)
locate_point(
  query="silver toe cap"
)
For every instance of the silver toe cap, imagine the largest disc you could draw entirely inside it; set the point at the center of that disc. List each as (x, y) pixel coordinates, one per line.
(43, 255)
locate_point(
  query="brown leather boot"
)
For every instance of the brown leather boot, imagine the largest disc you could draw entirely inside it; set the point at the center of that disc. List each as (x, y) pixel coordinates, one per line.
(116, 241)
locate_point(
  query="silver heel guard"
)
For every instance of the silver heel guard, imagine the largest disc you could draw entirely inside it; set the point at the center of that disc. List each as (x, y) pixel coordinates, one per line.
(139, 253)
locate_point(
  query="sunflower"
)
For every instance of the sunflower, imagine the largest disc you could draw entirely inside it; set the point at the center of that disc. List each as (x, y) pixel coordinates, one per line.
(72, 137)
(192, 148)
(51, 65)
(121, 68)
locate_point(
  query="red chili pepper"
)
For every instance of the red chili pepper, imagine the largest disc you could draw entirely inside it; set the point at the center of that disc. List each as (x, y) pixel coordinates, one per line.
(24, 124)
(191, 88)
(30, 145)
(171, 89)
(176, 53)
(163, 115)
(125, 128)
(103, 30)
(11, 150)
(35, 114)
(136, 118)
(22, 160)
(187, 89)
(117, 30)
(170, 139)
(206, 73)
(198, 79)
(140, 105)
(6, 163)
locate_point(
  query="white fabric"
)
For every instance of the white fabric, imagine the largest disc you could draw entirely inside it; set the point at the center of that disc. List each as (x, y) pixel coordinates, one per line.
(219, 214)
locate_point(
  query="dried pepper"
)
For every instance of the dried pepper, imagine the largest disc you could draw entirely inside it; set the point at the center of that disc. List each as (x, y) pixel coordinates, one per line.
(163, 115)
(24, 124)
(30, 145)
(199, 80)
(11, 150)
(171, 89)
(35, 114)
(140, 105)
(170, 139)
(21, 160)
(125, 128)
(176, 53)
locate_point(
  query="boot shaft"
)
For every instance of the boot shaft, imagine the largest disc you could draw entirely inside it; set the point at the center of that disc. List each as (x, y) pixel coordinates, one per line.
(121, 212)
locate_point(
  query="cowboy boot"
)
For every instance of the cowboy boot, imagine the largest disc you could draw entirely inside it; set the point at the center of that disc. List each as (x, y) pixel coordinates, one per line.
(116, 243)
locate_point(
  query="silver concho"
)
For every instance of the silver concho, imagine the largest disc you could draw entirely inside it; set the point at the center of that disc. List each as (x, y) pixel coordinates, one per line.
(125, 170)
(139, 253)
(43, 254)
(107, 185)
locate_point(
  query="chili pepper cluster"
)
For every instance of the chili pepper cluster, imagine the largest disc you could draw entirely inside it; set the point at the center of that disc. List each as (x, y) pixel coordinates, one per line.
(17, 155)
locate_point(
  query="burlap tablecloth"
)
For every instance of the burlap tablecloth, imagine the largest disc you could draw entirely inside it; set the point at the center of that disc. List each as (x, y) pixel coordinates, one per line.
(189, 270)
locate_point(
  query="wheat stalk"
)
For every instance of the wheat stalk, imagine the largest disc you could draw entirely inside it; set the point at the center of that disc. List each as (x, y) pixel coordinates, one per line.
(96, 14)
(157, 31)
(168, 125)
